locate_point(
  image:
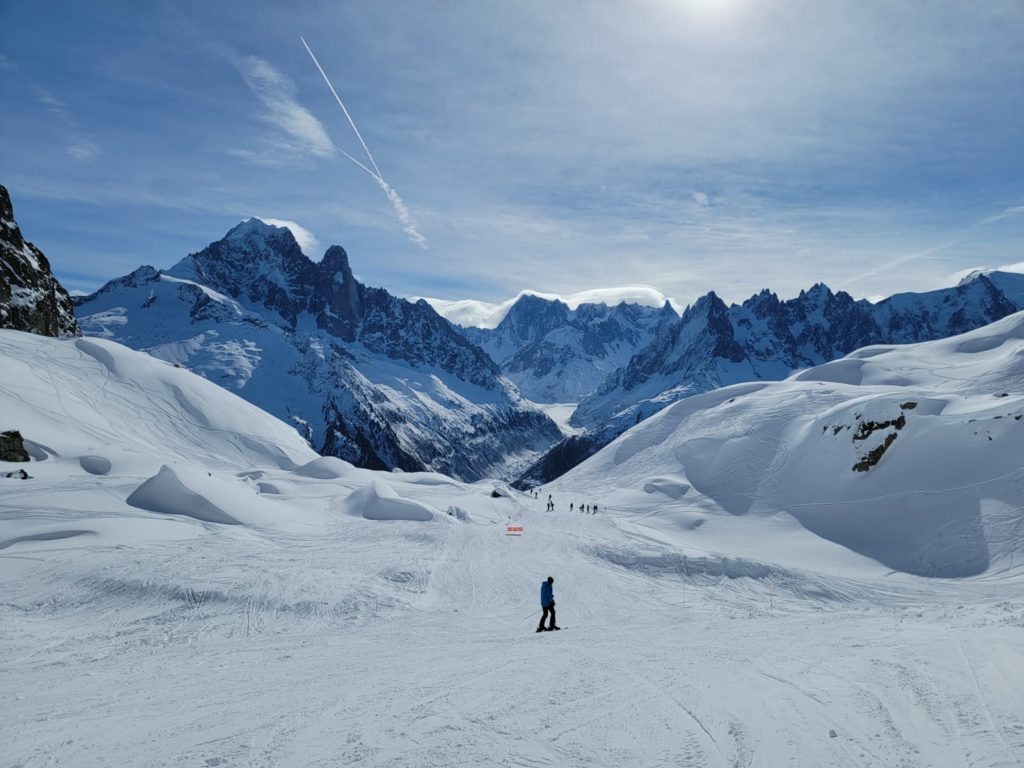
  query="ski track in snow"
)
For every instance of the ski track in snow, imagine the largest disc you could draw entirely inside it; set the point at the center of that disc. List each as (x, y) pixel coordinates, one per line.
(291, 650)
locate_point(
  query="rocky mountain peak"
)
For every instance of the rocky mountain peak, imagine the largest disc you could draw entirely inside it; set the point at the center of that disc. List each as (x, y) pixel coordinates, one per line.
(9, 230)
(708, 305)
(818, 289)
(763, 304)
(31, 298)
(533, 316)
(335, 263)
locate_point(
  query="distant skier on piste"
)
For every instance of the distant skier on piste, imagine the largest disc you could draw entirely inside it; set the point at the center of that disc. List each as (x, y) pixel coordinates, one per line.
(547, 602)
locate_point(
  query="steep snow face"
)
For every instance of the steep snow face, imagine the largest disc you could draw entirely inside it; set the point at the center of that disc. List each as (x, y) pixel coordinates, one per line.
(31, 298)
(365, 376)
(558, 354)
(113, 409)
(909, 455)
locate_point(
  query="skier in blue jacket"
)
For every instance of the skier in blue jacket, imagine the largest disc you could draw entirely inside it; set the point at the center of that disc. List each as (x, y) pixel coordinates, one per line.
(547, 602)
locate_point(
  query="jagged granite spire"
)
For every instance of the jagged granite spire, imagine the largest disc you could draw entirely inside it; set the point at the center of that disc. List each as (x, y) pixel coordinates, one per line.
(31, 298)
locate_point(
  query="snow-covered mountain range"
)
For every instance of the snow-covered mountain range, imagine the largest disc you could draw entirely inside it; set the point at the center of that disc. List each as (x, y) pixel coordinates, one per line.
(366, 376)
(390, 384)
(713, 345)
(556, 354)
(31, 298)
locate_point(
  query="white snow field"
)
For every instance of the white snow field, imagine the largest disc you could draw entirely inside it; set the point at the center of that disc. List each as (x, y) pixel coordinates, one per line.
(185, 583)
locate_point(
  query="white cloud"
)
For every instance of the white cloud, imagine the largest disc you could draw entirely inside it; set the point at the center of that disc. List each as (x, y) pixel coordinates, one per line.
(966, 275)
(83, 150)
(55, 105)
(307, 241)
(701, 199)
(277, 93)
(1013, 210)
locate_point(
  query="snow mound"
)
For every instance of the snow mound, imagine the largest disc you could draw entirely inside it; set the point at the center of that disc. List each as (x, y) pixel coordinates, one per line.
(671, 486)
(95, 465)
(459, 513)
(168, 493)
(378, 501)
(326, 468)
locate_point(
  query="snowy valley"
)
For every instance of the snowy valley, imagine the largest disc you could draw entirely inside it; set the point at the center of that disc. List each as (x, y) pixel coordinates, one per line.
(825, 569)
(519, 385)
(187, 582)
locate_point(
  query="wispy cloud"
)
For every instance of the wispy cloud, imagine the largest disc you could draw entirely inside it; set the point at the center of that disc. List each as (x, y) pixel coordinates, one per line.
(1006, 213)
(55, 105)
(305, 133)
(307, 241)
(83, 150)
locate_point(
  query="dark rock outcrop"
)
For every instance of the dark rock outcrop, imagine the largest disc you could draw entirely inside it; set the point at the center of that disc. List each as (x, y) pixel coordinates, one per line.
(12, 447)
(31, 298)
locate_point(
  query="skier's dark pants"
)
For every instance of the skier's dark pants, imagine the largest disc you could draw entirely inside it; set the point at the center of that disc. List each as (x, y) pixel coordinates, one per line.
(548, 609)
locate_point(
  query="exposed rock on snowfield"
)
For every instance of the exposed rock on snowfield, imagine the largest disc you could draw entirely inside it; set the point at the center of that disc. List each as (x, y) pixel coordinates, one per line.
(367, 377)
(12, 447)
(31, 299)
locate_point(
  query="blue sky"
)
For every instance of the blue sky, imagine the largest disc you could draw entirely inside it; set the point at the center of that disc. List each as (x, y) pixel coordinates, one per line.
(684, 144)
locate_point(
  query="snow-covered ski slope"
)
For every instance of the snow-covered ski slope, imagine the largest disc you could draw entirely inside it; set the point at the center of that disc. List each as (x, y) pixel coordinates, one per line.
(185, 583)
(912, 455)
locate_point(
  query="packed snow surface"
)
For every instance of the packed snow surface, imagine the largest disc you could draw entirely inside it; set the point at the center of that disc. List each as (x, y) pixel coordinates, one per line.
(186, 583)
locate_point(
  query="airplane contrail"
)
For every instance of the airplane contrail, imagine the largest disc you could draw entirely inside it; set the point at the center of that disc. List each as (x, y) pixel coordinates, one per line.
(373, 175)
(401, 211)
(341, 104)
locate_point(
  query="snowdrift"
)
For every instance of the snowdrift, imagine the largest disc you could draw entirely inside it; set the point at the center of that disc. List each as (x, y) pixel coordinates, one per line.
(202, 496)
(911, 455)
(326, 468)
(378, 501)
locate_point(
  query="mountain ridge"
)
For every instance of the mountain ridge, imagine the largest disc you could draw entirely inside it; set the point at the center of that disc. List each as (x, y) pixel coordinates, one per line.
(765, 338)
(364, 375)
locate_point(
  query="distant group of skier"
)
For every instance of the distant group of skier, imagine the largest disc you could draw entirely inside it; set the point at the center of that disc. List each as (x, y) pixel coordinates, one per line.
(586, 509)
